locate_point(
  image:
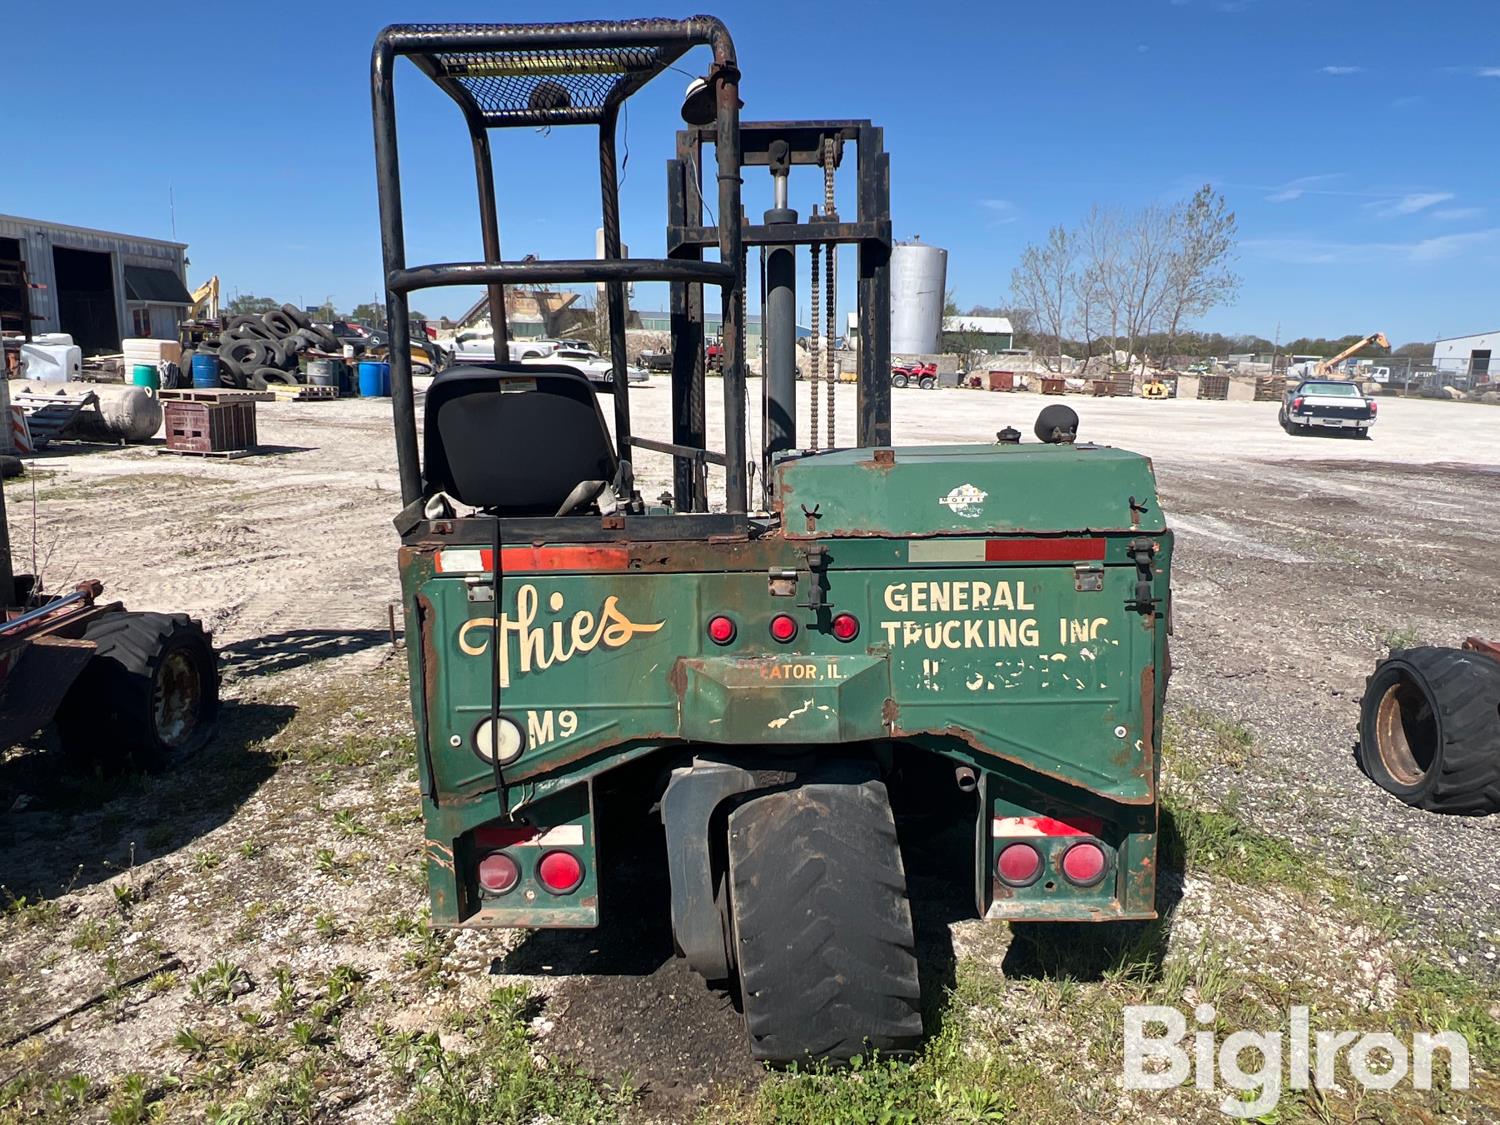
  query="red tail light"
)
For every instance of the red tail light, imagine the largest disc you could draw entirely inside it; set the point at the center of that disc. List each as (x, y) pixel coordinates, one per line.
(1374, 406)
(1297, 403)
(1083, 864)
(783, 628)
(1019, 865)
(720, 630)
(560, 872)
(498, 873)
(846, 626)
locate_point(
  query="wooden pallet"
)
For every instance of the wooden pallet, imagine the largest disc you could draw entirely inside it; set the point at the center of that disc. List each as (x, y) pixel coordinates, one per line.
(303, 392)
(49, 416)
(214, 394)
(221, 454)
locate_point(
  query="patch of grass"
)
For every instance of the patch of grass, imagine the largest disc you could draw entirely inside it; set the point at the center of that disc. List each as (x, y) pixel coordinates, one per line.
(1199, 839)
(250, 849)
(347, 824)
(326, 925)
(1407, 636)
(193, 1043)
(291, 1099)
(128, 1104)
(219, 983)
(93, 936)
(1197, 739)
(498, 1078)
(31, 912)
(207, 860)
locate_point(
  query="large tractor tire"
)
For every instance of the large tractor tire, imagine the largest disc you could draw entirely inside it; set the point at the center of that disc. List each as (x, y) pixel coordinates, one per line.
(822, 926)
(150, 691)
(1429, 729)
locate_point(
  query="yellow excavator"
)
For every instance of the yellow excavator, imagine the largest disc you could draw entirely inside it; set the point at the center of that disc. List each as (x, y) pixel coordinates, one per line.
(1325, 367)
(206, 301)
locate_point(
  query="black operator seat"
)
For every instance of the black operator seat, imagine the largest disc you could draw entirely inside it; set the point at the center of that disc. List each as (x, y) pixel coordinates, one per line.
(517, 440)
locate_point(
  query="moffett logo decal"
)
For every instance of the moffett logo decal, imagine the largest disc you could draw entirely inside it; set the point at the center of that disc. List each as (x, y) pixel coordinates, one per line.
(964, 500)
(539, 647)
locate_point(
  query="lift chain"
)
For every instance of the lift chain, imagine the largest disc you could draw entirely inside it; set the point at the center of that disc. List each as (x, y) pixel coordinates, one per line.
(814, 346)
(830, 212)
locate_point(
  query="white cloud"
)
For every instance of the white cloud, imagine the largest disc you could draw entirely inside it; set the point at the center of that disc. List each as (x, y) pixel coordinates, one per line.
(1488, 72)
(1321, 252)
(1451, 214)
(1001, 210)
(1409, 204)
(1296, 189)
(1342, 69)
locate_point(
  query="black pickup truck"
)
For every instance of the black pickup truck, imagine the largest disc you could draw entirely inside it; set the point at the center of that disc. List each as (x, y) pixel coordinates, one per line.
(1327, 404)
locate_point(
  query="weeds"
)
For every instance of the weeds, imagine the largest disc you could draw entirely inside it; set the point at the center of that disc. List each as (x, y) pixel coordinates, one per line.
(348, 825)
(1408, 636)
(499, 1077)
(220, 983)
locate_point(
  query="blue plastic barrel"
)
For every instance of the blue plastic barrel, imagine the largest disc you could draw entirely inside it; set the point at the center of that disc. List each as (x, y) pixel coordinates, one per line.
(374, 379)
(205, 369)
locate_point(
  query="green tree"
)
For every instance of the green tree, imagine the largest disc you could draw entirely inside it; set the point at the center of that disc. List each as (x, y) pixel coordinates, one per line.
(369, 313)
(247, 304)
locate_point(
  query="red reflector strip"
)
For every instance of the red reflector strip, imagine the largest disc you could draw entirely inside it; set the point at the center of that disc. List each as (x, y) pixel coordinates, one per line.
(558, 836)
(1047, 826)
(1044, 550)
(503, 837)
(477, 560)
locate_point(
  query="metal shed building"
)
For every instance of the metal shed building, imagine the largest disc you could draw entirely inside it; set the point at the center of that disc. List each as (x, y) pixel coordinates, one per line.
(1469, 357)
(97, 286)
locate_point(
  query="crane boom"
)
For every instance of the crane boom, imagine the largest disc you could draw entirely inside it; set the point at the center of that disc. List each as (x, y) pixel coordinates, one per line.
(1327, 365)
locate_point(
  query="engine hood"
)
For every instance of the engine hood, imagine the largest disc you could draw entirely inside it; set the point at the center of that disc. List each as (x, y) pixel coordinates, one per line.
(967, 489)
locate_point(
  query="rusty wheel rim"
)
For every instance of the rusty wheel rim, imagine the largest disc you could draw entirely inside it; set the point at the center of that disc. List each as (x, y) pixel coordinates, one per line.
(1406, 732)
(177, 699)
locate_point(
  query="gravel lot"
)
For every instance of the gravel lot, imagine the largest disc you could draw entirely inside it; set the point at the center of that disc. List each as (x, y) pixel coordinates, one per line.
(1301, 560)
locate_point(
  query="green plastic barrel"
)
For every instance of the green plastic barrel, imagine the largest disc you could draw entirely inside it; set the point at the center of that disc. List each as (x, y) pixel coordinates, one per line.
(146, 375)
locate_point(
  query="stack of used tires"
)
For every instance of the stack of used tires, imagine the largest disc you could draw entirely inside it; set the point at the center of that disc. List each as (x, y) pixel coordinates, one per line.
(257, 351)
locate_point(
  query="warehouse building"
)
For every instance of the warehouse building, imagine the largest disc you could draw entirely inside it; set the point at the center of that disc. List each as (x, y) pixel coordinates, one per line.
(992, 334)
(1468, 357)
(97, 286)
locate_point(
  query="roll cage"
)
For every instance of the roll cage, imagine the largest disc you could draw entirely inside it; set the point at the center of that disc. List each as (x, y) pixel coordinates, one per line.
(532, 75)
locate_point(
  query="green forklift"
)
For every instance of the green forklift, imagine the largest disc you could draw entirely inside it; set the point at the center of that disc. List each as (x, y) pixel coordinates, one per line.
(795, 644)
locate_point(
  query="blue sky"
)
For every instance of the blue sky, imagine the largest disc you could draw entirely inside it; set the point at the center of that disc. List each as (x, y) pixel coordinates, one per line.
(1355, 138)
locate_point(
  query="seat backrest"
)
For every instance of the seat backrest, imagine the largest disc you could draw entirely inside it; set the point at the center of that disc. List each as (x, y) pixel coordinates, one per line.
(514, 439)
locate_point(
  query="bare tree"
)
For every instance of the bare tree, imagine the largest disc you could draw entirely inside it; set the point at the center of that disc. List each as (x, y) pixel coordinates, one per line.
(1043, 283)
(1198, 275)
(1127, 277)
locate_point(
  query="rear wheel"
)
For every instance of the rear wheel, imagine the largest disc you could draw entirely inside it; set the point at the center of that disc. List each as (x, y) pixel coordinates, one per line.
(150, 691)
(821, 923)
(927, 382)
(1429, 729)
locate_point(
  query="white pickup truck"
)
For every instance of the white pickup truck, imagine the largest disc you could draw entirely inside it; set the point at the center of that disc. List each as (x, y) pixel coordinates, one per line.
(1327, 404)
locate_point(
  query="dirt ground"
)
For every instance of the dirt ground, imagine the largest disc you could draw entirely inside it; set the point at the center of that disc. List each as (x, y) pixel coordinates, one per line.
(291, 848)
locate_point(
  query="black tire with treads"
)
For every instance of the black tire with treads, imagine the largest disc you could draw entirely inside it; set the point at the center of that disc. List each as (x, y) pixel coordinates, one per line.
(296, 316)
(821, 922)
(247, 326)
(1429, 729)
(111, 712)
(279, 324)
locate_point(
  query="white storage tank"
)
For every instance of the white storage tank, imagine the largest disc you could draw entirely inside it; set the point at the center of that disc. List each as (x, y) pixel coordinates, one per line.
(919, 277)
